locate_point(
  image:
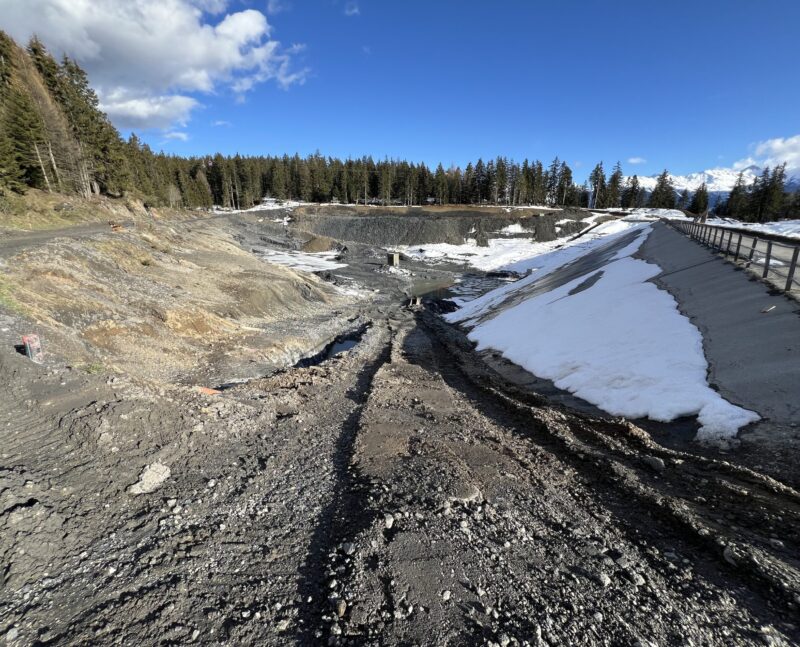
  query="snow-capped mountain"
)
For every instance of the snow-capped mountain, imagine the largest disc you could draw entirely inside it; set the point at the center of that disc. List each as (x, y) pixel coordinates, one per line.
(718, 180)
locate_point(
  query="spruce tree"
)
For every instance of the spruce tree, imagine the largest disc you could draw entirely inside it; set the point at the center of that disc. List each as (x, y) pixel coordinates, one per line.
(613, 198)
(699, 204)
(597, 182)
(631, 193)
(663, 195)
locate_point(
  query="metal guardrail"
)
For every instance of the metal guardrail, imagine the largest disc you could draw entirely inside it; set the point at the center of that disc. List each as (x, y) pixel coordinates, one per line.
(775, 258)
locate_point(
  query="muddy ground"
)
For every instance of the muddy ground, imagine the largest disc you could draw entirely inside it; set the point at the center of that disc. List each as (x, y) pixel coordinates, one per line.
(400, 493)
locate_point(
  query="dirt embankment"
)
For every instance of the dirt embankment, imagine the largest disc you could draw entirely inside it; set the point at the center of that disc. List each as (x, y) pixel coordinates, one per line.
(178, 301)
(409, 226)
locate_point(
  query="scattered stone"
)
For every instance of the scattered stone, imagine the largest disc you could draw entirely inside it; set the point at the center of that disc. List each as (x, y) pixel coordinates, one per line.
(388, 520)
(654, 462)
(341, 607)
(12, 634)
(604, 580)
(349, 548)
(635, 577)
(151, 478)
(446, 595)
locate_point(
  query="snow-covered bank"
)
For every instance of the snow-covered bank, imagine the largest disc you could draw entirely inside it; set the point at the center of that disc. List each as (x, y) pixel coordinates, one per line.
(511, 254)
(499, 253)
(788, 228)
(308, 262)
(607, 335)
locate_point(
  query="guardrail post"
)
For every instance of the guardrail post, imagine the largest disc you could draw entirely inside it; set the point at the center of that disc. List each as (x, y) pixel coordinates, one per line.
(752, 251)
(792, 268)
(766, 261)
(738, 247)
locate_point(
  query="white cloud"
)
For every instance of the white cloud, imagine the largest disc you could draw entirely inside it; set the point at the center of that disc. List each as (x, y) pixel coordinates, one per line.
(211, 6)
(352, 9)
(636, 160)
(220, 123)
(773, 152)
(136, 111)
(145, 57)
(180, 136)
(276, 6)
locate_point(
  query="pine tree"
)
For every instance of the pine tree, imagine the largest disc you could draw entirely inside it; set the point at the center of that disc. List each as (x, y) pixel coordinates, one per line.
(631, 193)
(613, 197)
(775, 193)
(441, 185)
(551, 181)
(597, 181)
(699, 204)
(663, 195)
(683, 200)
(501, 182)
(24, 130)
(565, 183)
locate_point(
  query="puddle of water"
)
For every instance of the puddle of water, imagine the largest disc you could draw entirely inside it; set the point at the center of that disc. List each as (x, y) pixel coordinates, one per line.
(431, 288)
(472, 285)
(340, 345)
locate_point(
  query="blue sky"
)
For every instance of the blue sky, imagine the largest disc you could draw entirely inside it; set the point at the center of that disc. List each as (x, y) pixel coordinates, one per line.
(682, 85)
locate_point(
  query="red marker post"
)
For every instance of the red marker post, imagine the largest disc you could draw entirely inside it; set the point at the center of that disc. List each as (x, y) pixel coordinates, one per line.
(33, 348)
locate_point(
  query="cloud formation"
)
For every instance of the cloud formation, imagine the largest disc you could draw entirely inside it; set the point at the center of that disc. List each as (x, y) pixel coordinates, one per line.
(145, 57)
(352, 9)
(180, 136)
(637, 160)
(773, 152)
(276, 6)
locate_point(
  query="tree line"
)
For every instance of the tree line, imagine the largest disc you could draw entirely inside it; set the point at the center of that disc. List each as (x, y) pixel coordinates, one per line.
(54, 137)
(763, 200)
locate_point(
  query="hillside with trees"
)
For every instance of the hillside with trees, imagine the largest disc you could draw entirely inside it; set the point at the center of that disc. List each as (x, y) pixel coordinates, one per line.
(54, 137)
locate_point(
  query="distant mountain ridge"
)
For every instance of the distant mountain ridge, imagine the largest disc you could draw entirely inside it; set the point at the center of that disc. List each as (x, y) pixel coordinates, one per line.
(719, 181)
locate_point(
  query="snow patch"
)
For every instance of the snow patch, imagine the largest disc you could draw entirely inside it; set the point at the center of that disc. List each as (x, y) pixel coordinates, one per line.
(500, 252)
(610, 337)
(306, 262)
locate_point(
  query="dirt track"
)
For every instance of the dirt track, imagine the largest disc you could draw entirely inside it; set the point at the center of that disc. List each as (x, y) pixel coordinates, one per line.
(400, 493)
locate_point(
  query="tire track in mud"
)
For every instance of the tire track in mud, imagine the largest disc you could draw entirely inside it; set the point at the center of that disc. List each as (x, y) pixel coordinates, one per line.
(346, 514)
(501, 534)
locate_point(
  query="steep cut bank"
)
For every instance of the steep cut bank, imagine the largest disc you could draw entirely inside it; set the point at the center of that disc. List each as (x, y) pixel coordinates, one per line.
(416, 225)
(178, 301)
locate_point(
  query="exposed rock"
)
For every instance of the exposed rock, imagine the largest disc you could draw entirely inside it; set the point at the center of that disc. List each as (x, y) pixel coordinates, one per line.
(151, 478)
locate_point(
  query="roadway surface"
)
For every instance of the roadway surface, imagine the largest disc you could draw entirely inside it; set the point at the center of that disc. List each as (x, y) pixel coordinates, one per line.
(751, 334)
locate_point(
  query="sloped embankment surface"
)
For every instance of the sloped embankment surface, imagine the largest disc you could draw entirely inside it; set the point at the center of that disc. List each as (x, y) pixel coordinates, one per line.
(168, 302)
(413, 226)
